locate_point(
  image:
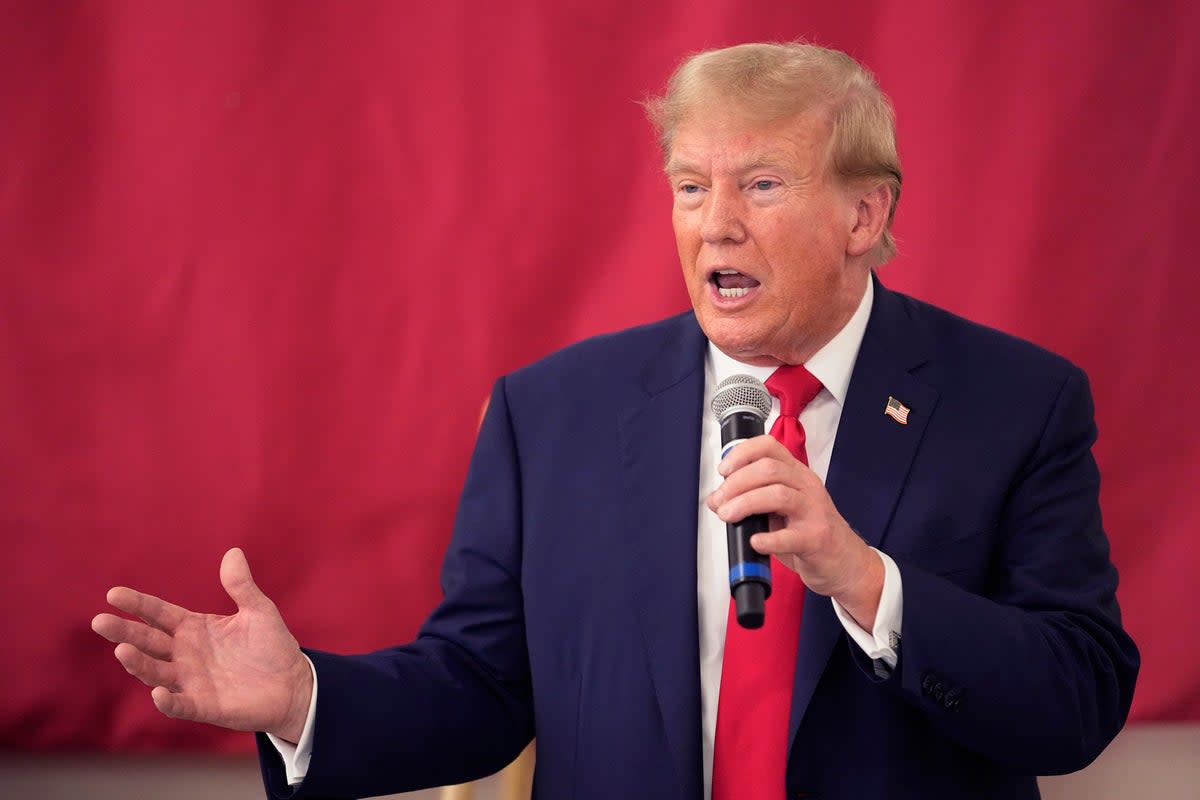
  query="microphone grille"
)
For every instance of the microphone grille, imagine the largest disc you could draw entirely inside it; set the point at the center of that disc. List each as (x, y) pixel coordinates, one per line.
(741, 393)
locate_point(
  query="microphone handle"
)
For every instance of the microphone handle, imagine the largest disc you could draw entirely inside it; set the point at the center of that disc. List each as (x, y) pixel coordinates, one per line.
(749, 570)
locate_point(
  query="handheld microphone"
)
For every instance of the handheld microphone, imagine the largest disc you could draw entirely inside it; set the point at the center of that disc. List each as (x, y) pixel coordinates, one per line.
(741, 405)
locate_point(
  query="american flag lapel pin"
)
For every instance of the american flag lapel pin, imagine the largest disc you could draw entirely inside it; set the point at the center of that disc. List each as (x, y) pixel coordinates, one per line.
(896, 410)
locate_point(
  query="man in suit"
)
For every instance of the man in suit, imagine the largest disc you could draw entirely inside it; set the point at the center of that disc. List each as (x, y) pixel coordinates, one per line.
(958, 632)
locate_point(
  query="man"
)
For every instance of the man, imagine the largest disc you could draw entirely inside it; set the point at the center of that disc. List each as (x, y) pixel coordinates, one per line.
(942, 497)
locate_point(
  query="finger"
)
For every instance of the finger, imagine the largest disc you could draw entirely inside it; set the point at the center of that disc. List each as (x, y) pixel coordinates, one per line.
(239, 583)
(149, 671)
(773, 499)
(763, 472)
(174, 704)
(751, 450)
(787, 541)
(149, 640)
(153, 610)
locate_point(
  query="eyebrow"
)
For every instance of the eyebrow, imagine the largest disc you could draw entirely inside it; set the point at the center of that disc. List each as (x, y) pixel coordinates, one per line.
(755, 162)
(676, 167)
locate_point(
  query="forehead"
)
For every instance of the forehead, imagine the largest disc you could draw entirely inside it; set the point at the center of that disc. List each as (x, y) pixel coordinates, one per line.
(721, 139)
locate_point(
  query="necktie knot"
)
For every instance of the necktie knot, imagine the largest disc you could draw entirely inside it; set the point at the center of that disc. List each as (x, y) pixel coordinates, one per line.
(795, 387)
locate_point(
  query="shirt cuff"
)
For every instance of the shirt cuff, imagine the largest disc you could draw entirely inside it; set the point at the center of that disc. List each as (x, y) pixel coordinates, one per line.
(880, 644)
(296, 756)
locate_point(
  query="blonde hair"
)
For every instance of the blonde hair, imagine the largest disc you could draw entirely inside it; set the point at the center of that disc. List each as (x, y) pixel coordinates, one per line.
(768, 82)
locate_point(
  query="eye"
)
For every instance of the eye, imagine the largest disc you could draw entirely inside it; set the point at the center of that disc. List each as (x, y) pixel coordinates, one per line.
(689, 188)
(765, 185)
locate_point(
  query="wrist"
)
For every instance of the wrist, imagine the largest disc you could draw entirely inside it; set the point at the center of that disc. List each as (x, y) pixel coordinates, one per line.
(861, 598)
(299, 690)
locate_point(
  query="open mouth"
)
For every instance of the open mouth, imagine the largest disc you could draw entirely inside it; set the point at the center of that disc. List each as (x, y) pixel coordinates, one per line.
(731, 283)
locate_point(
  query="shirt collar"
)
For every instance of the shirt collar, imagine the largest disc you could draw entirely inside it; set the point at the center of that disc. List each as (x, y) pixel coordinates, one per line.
(831, 365)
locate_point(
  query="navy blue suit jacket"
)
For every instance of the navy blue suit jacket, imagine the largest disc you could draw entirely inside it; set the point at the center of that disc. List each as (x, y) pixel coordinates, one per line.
(570, 585)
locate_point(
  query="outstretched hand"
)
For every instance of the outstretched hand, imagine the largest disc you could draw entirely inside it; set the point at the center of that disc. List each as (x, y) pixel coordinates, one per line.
(243, 671)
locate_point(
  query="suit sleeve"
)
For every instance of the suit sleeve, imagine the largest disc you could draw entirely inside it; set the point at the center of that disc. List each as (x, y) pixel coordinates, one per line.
(1035, 674)
(455, 704)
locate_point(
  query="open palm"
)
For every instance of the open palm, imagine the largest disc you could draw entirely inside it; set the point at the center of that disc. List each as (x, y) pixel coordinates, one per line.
(244, 671)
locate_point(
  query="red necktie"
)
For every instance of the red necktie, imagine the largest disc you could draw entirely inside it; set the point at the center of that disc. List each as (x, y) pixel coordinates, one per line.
(750, 751)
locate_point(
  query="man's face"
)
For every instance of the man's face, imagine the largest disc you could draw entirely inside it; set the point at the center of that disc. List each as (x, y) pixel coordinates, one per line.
(762, 229)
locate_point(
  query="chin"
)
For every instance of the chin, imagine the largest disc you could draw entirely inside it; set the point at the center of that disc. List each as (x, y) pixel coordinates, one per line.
(742, 345)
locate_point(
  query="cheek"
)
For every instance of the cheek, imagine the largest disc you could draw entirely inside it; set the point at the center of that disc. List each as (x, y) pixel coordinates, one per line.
(687, 242)
(812, 250)
(681, 220)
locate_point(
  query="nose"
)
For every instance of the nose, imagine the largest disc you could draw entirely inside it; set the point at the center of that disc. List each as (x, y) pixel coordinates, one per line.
(723, 216)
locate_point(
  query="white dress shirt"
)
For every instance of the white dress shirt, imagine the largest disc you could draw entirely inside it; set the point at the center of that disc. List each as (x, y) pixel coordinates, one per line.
(832, 365)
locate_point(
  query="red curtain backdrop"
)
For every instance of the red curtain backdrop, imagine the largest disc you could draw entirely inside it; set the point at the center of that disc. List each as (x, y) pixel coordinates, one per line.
(260, 263)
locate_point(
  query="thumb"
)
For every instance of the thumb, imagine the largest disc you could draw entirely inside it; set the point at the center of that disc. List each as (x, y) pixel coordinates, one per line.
(239, 583)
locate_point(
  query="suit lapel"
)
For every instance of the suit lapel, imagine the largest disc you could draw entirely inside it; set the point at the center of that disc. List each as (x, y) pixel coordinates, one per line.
(870, 462)
(660, 443)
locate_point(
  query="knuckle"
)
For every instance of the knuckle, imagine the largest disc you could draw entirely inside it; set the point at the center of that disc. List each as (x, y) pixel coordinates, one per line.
(778, 495)
(771, 470)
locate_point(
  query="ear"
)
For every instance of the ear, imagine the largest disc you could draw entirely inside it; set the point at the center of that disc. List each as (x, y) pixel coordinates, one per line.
(871, 214)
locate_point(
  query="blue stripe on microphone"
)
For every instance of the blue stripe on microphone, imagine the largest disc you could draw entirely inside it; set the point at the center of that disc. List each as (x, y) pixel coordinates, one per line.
(729, 446)
(740, 572)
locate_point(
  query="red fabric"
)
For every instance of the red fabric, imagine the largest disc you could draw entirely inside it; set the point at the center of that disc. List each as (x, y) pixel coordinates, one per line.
(795, 387)
(758, 665)
(261, 262)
